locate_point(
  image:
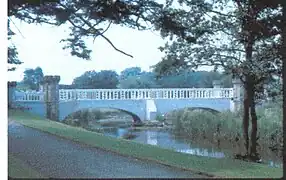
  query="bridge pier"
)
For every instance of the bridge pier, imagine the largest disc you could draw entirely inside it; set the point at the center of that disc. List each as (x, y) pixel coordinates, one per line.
(51, 96)
(216, 85)
(150, 109)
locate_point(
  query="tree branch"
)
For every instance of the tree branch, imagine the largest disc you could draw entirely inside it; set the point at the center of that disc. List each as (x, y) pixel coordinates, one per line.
(87, 23)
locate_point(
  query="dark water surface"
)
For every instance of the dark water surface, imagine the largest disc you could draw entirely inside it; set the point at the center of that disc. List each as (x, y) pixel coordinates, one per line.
(166, 140)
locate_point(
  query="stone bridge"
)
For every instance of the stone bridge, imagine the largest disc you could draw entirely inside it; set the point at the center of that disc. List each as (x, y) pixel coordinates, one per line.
(142, 104)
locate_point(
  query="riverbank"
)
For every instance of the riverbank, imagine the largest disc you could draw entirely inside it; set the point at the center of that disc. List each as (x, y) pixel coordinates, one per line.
(224, 129)
(203, 165)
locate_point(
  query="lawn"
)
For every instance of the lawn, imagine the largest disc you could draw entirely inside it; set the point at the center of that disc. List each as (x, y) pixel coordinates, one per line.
(204, 165)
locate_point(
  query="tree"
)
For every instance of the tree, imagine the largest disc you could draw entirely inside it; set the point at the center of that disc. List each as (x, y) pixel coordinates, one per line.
(132, 71)
(138, 81)
(86, 18)
(249, 51)
(105, 79)
(33, 78)
(13, 58)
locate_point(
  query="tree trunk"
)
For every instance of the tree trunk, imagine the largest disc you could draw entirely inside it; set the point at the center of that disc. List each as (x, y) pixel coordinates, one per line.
(248, 46)
(253, 147)
(246, 120)
(283, 50)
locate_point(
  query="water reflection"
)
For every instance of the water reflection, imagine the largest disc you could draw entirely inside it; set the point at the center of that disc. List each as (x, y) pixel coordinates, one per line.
(166, 140)
(152, 138)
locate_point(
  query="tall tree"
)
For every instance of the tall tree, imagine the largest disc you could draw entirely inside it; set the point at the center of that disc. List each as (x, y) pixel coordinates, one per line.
(132, 71)
(33, 78)
(233, 35)
(139, 81)
(105, 79)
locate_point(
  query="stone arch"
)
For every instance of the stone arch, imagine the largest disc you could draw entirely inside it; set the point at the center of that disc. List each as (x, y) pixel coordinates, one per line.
(213, 105)
(136, 119)
(68, 108)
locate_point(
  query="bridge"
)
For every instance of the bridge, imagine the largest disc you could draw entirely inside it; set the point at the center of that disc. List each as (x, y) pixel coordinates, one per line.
(141, 104)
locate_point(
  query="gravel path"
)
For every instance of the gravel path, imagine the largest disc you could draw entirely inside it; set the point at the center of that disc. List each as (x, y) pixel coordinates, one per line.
(59, 158)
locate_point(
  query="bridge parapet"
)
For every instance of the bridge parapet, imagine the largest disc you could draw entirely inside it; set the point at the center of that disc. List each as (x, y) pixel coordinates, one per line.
(133, 94)
(29, 96)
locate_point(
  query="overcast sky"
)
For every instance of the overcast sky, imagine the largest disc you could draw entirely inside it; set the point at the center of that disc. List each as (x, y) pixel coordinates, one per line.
(39, 46)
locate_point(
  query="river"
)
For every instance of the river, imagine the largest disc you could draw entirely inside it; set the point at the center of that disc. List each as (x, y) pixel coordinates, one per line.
(166, 139)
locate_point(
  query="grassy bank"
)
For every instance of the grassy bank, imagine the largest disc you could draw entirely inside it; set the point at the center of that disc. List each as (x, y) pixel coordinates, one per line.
(19, 169)
(227, 127)
(211, 166)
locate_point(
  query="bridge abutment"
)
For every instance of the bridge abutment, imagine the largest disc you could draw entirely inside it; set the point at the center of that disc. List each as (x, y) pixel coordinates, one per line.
(51, 96)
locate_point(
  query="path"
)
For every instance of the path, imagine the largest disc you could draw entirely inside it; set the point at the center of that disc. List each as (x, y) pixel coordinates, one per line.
(59, 158)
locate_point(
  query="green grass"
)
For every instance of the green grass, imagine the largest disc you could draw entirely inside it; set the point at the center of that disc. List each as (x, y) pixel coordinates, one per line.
(211, 166)
(19, 169)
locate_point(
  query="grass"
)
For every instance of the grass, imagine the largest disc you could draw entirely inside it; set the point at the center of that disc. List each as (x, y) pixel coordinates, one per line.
(204, 165)
(19, 169)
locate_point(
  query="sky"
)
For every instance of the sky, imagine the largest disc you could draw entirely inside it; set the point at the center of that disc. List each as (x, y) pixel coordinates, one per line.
(39, 45)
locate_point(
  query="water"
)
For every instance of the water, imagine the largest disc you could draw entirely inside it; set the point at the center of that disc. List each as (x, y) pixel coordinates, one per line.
(167, 140)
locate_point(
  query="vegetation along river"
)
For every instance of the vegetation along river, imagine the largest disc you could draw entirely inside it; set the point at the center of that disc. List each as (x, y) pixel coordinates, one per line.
(166, 139)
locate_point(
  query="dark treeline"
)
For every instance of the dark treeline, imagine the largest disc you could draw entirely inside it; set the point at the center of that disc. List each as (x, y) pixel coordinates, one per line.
(135, 78)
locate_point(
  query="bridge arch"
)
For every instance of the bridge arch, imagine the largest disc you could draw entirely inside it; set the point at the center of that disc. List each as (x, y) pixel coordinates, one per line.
(212, 105)
(133, 108)
(135, 118)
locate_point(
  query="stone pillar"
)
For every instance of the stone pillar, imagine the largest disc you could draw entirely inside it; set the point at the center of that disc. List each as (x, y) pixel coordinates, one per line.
(11, 93)
(51, 96)
(216, 85)
(237, 93)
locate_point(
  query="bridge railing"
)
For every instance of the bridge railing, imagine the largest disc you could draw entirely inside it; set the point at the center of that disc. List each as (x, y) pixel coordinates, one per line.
(117, 94)
(29, 96)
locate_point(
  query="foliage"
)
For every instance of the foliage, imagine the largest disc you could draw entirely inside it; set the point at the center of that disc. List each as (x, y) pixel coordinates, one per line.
(187, 79)
(160, 117)
(240, 36)
(12, 50)
(86, 19)
(83, 117)
(33, 78)
(132, 71)
(134, 78)
(226, 126)
(142, 80)
(105, 79)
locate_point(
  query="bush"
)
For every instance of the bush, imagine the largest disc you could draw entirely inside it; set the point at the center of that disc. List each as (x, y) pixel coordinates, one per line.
(84, 117)
(160, 117)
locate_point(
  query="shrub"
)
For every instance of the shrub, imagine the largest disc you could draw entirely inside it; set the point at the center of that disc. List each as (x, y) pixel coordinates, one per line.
(160, 117)
(85, 116)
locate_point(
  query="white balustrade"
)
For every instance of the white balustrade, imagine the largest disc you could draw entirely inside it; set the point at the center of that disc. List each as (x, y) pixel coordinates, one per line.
(121, 94)
(29, 96)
